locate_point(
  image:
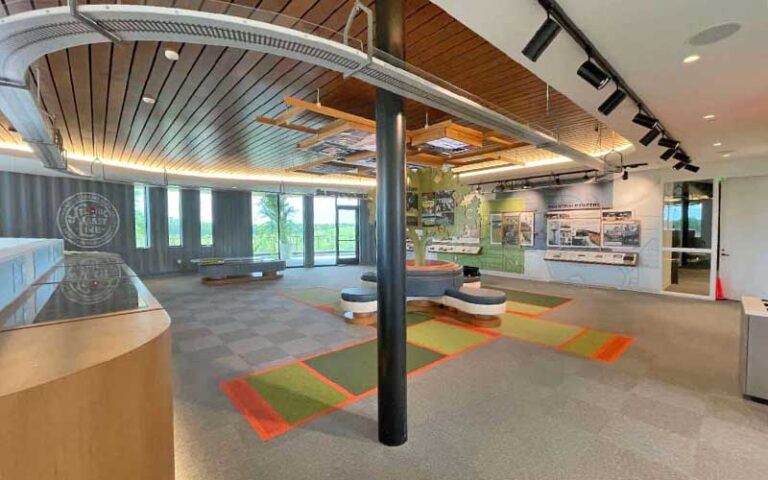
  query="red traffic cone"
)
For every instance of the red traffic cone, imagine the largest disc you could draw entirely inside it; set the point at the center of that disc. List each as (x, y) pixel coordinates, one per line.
(719, 295)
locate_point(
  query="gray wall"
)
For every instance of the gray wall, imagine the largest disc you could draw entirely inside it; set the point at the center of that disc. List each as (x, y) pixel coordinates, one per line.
(29, 205)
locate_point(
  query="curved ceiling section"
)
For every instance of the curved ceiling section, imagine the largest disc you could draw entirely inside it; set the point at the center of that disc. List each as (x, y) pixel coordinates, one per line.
(28, 36)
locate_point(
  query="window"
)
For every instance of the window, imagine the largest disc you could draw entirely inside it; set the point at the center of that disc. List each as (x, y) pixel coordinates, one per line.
(264, 219)
(291, 208)
(206, 218)
(141, 215)
(175, 234)
(325, 230)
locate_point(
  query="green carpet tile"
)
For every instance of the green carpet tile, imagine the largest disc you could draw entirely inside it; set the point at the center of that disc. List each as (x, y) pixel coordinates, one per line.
(294, 392)
(589, 343)
(415, 318)
(354, 368)
(526, 308)
(536, 330)
(444, 337)
(313, 295)
(537, 299)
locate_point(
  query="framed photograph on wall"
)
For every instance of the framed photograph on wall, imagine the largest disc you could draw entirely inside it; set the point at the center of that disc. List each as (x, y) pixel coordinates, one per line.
(621, 234)
(496, 233)
(574, 228)
(411, 209)
(527, 228)
(510, 228)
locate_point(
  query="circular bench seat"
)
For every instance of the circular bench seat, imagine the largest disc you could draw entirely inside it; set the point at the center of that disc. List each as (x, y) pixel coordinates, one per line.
(478, 296)
(360, 305)
(482, 304)
(359, 295)
(369, 279)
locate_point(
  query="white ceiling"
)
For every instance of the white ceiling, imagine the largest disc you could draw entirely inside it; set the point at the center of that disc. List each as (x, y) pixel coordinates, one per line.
(646, 41)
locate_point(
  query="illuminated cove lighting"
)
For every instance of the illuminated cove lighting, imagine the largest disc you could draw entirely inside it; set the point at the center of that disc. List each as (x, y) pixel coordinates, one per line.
(268, 178)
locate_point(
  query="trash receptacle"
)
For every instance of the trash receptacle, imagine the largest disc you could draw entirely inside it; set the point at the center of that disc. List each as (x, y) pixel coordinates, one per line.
(754, 349)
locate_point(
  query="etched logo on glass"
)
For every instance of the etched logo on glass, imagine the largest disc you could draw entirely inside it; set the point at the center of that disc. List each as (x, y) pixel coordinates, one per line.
(88, 220)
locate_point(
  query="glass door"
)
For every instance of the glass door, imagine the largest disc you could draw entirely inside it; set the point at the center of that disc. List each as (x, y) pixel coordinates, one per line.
(689, 238)
(347, 250)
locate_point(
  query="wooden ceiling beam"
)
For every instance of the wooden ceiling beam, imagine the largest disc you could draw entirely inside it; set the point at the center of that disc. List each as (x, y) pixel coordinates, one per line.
(447, 129)
(497, 138)
(289, 126)
(424, 159)
(356, 157)
(331, 112)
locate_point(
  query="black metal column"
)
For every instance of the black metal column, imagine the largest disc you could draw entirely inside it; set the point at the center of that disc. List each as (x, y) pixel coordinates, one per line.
(390, 229)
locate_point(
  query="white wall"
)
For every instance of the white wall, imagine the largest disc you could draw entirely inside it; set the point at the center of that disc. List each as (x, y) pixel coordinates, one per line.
(643, 193)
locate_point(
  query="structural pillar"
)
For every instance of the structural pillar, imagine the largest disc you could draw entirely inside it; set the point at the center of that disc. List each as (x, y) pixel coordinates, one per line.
(390, 229)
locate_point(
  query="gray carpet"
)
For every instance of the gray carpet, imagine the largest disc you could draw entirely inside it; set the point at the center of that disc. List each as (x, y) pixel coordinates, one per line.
(668, 409)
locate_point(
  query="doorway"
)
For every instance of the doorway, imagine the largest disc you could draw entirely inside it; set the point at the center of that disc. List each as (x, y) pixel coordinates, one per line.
(689, 238)
(744, 237)
(347, 228)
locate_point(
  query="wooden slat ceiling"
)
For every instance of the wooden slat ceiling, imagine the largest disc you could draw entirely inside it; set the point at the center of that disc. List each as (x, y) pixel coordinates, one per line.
(207, 101)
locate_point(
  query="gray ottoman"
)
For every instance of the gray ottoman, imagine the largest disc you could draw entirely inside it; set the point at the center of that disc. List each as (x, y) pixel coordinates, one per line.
(483, 305)
(359, 305)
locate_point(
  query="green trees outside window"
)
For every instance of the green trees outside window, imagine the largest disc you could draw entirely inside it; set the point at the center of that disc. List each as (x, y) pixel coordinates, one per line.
(206, 218)
(141, 215)
(175, 232)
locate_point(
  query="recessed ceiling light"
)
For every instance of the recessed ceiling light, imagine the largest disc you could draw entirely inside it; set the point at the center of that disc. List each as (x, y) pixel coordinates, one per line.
(691, 59)
(171, 55)
(148, 100)
(717, 144)
(709, 117)
(726, 155)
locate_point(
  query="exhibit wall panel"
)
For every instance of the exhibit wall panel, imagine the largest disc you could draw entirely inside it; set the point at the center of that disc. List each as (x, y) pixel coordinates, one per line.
(29, 207)
(642, 194)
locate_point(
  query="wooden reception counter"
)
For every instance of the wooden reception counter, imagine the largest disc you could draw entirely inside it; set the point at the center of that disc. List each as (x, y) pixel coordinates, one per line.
(87, 398)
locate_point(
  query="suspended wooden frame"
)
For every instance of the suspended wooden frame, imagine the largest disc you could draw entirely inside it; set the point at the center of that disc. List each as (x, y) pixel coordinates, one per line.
(447, 137)
(349, 139)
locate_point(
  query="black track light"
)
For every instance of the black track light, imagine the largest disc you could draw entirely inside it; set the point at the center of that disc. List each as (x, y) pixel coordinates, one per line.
(625, 175)
(613, 101)
(679, 165)
(526, 184)
(645, 120)
(649, 137)
(691, 167)
(667, 154)
(682, 156)
(668, 143)
(541, 39)
(557, 180)
(593, 74)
